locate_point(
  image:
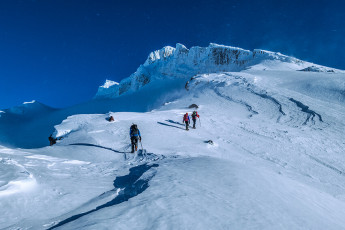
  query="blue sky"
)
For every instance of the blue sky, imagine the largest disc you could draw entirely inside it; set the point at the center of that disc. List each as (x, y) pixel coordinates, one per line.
(59, 52)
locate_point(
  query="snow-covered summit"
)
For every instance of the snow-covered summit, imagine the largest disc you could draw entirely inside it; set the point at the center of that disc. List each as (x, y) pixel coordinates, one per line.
(216, 54)
(163, 53)
(180, 62)
(109, 83)
(108, 90)
(30, 102)
(28, 108)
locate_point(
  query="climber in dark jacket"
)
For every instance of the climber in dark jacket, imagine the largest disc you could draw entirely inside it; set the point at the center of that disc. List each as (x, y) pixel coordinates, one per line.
(52, 140)
(194, 116)
(134, 133)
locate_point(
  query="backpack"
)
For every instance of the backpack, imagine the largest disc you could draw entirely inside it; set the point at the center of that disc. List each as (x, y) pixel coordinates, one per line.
(134, 130)
(195, 114)
(185, 118)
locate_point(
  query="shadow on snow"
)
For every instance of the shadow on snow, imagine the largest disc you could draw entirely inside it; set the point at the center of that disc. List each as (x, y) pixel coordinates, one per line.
(130, 186)
(175, 122)
(161, 123)
(102, 147)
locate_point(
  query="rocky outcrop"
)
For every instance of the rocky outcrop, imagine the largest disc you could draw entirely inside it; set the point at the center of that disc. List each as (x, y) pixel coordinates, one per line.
(318, 69)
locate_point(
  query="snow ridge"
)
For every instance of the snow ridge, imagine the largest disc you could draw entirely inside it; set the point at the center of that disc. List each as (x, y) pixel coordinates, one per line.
(180, 62)
(28, 109)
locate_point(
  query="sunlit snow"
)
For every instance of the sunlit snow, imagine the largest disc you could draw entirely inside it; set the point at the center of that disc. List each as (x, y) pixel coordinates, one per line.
(267, 151)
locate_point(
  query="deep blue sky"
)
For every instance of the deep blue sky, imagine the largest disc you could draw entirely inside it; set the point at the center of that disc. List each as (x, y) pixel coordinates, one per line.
(59, 52)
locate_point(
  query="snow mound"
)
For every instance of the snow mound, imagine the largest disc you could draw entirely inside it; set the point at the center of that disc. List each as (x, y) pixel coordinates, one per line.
(82, 129)
(72, 124)
(14, 178)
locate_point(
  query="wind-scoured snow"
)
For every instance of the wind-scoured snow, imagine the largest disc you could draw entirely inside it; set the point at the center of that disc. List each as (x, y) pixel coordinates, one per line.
(267, 151)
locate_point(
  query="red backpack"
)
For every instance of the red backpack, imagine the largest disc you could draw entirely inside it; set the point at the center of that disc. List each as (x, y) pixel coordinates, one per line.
(185, 118)
(195, 114)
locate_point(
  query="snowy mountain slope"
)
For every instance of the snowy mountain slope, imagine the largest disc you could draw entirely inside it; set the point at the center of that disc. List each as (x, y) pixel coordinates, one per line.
(15, 130)
(274, 164)
(164, 75)
(181, 62)
(17, 123)
(277, 161)
(26, 111)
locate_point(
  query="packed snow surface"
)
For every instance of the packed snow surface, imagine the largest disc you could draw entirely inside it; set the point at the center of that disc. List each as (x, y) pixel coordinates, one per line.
(267, 153)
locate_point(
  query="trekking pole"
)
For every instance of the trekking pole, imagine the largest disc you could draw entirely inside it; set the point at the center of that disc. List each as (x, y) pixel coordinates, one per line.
(141, 146)
(199, 121)
(142, 149)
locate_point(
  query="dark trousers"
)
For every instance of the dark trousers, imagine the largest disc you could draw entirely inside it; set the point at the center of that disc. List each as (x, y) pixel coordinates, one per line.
(194, 121)
(134, 142)
(52, 141)
(187, 124)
